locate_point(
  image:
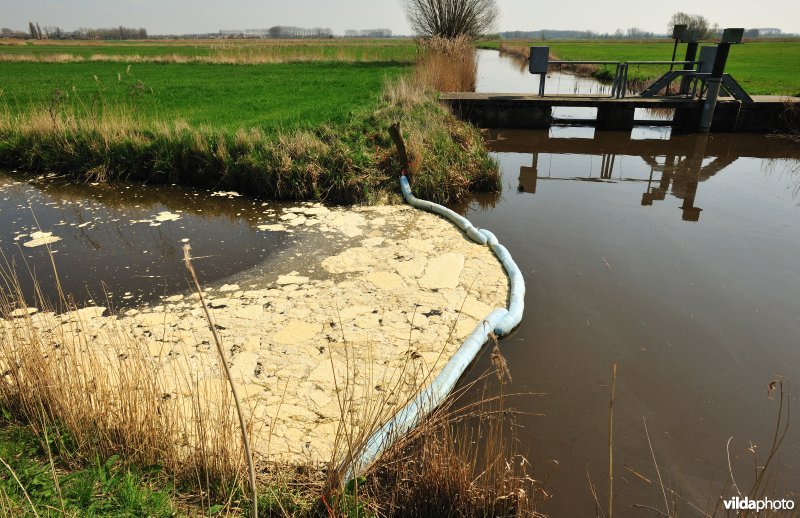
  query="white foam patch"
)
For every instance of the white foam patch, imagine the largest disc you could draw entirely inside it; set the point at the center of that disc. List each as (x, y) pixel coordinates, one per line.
(272, 228)
(40, 239)
(167, 216)
(159, 218)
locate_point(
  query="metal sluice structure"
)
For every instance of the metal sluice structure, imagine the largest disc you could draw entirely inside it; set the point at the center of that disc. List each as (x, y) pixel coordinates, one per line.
(695, 72)
(700, 76)
(695, 101)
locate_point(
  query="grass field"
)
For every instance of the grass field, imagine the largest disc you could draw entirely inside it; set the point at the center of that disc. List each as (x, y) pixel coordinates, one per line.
(217, 51)
(761, 67)
(315, 127)
(226, 97)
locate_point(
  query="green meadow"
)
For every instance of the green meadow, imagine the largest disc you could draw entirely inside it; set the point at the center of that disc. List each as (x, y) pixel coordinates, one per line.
(226, 97)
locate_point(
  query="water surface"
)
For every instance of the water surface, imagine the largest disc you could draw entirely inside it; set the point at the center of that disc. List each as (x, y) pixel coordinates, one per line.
(677, 259)
(124, 242)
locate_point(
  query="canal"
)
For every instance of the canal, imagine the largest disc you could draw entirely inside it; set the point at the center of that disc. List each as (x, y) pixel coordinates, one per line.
(675, 258)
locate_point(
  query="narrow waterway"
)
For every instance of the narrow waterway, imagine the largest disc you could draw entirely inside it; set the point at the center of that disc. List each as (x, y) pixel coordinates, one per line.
(675, 258)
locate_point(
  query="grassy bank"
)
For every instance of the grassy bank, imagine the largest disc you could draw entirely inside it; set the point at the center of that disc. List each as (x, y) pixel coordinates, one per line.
(760, 67)
(283, 131)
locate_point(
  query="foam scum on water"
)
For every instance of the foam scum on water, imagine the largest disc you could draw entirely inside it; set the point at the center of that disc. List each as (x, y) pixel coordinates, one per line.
(363, 328)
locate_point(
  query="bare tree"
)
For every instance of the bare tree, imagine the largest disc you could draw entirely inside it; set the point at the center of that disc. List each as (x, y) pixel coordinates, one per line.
(53, 31)
(452, 18)
(692, 21)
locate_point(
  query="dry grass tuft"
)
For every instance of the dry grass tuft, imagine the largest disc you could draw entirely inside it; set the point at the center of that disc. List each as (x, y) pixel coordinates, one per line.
(405, 93)
(447, 65)
(259, 52)
(461, 461)
(791, 119)
(442, 150)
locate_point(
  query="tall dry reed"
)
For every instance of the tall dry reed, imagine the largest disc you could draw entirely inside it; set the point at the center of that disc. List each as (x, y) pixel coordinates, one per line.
(102, 393)
(461, 461)
(233, 53)
(447, 65)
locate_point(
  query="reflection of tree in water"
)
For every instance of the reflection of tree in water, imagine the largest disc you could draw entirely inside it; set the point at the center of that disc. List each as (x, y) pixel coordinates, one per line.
(165, 246)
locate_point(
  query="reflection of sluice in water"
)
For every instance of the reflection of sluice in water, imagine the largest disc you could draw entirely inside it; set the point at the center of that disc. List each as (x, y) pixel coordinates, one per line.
(528, 176)
(680, 173)
(684, 174)
(674, 171)
(682, 162)
(620, 143)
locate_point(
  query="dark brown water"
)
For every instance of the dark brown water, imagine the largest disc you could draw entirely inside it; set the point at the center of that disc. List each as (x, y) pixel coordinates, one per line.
(126, 240)
(679, 260)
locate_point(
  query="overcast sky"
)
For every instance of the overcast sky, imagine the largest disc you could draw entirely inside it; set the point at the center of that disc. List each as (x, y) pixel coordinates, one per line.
(200, 16)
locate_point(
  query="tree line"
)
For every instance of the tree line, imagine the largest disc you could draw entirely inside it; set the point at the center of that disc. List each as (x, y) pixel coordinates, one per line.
(476, 18)
(368, 33)
(279, 32)
(282, 31)
(53, 32)
(633, 33)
